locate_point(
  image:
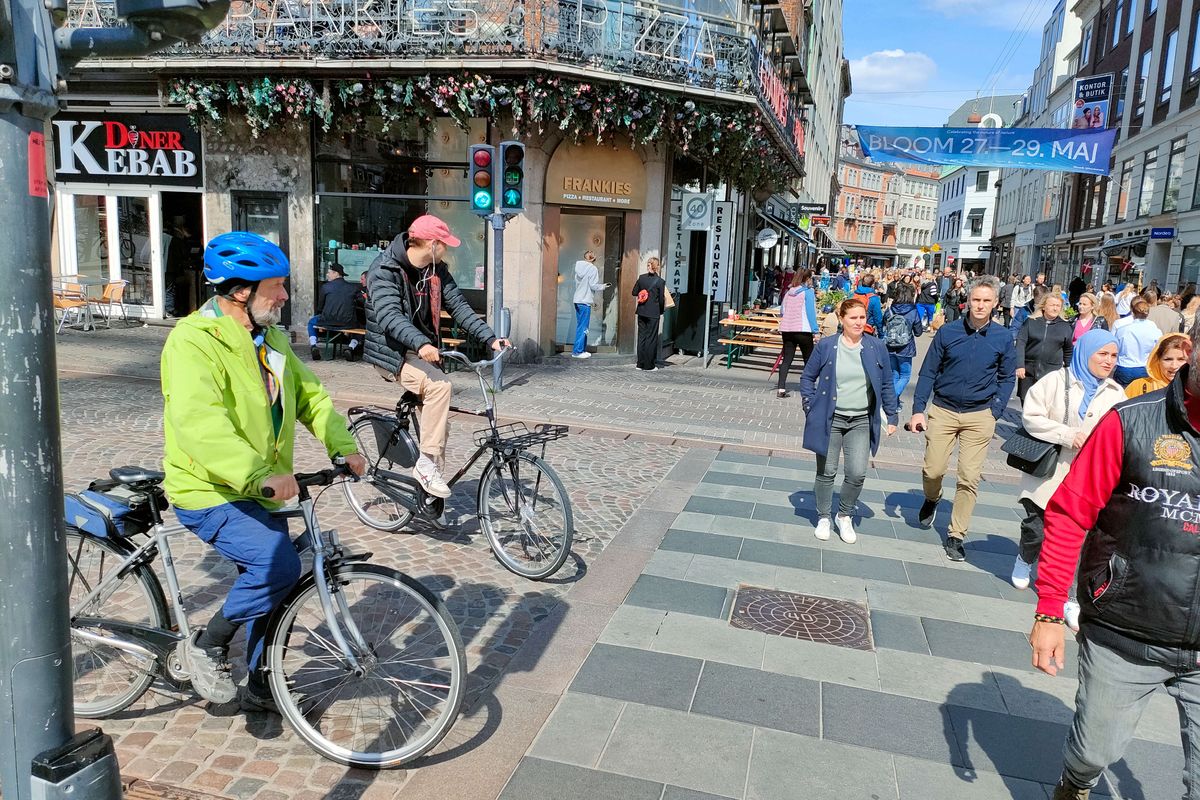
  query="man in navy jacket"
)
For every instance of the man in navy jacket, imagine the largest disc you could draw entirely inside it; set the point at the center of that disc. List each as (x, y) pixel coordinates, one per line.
(969, 372)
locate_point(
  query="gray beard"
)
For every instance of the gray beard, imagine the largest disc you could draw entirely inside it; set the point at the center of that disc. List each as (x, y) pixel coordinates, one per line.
(266, 319)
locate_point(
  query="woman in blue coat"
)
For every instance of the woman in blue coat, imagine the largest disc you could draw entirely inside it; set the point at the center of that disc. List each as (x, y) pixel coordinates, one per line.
(844, 383)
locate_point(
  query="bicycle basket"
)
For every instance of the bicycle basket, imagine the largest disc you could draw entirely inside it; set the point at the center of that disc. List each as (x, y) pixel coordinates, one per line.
(516, 436)
(393, 442)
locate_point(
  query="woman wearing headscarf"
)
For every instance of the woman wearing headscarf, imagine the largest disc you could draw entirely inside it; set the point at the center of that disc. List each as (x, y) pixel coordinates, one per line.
(1081, 394)
(1166, 358)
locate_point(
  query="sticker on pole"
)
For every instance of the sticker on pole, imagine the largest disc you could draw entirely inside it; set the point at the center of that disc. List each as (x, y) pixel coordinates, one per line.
(37, 166)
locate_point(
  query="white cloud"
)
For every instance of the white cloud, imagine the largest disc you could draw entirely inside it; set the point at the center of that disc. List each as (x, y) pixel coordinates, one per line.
(1007, 14)
(892, 71)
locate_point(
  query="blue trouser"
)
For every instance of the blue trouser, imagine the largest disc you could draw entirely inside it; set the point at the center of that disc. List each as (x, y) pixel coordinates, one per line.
(1127, 375)
(312, 325)
(901, 372)
(583, 318)
(1020, 314)
(268, 565)
(1113, 692)
(926, 311)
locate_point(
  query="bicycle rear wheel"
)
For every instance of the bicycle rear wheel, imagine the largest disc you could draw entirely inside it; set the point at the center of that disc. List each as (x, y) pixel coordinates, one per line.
(526, 514)
(108, 679)
(413, 669)
(370, 504)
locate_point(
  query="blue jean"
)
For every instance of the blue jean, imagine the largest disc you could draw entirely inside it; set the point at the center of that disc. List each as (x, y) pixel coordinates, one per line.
(1020, 314)
(583, 318)
(926, 310)
(267, 563)
(901, 372)
(1127, 375)
(850, 435)
(1113, 693)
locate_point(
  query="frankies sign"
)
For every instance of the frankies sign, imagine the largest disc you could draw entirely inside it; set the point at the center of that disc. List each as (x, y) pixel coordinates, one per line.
(143, 149)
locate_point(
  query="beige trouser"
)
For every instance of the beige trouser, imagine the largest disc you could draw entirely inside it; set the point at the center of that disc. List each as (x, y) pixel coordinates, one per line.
(973, 432)
(427, 380)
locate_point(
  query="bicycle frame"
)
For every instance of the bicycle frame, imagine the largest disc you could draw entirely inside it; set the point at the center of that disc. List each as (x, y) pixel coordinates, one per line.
(156, 643)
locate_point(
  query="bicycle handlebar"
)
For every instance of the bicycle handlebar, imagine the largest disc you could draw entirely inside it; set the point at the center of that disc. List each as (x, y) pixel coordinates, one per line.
(475, 365)
(321, 478)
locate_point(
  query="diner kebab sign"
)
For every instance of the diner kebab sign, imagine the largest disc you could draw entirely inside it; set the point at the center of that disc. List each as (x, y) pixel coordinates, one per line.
(144, 149)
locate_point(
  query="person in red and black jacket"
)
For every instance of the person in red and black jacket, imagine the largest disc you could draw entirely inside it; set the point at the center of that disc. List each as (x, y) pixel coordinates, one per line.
(1131, 503)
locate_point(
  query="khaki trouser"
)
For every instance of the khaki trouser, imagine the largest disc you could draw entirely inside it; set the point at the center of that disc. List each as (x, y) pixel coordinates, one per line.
(973, 432)
(427, 380)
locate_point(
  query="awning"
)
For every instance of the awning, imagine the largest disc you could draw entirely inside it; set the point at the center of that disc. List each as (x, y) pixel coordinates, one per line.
(787, 228)
(1119, 244)
(831, 243)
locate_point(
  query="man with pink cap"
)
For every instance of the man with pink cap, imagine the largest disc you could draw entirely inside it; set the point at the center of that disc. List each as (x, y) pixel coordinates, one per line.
(408, 286)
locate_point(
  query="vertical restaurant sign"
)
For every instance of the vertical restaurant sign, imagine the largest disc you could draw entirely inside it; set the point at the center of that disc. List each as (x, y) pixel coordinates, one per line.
(145, 149)
(678, 252)
(1093, 97)
(720, 245)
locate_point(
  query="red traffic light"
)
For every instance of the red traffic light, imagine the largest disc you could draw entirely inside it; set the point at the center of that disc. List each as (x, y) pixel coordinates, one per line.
(483, 158)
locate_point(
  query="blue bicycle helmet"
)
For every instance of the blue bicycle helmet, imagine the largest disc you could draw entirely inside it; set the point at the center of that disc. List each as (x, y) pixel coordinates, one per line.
(243, 258)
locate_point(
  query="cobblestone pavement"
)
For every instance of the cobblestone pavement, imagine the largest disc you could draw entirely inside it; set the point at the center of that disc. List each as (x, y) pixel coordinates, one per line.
(173, 739)
(682, 402)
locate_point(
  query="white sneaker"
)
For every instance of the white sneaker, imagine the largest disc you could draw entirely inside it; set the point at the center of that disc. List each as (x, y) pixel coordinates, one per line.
(822, 531)
(1071, 614)
(584, 354)
(1020, 574)
(431, 480)
(845, 526)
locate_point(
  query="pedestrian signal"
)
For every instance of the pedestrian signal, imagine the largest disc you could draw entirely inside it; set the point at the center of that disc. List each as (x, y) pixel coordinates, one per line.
(512, 189)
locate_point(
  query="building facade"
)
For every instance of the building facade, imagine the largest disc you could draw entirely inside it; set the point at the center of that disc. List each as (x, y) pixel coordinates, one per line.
(916, 216)
(865, 214)
(1142, 222)
(328, 128)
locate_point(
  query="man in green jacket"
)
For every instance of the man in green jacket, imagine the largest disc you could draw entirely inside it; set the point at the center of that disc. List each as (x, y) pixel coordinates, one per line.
(233, 391)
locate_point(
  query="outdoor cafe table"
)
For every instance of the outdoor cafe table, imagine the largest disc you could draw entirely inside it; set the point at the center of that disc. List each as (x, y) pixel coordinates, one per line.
(87, 321)
(746, 334)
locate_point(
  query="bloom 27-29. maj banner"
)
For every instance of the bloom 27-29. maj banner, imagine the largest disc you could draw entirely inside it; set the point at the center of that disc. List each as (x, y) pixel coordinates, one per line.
(1022, 148)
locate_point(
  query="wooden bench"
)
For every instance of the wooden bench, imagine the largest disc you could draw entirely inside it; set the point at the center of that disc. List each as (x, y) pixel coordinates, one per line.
(334, 338)
(741, 344)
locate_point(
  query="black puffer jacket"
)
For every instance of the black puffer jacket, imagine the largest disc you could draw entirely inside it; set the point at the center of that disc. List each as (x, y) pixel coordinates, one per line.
(1043, 347)
(391, 303)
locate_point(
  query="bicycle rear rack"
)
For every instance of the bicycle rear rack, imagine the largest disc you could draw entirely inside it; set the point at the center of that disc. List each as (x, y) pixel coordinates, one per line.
(517, 436)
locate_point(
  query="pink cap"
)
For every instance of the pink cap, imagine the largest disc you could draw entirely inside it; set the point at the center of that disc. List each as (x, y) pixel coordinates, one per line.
(430, 227)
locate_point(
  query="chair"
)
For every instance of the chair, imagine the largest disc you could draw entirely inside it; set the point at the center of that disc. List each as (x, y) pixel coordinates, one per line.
(70, 298)
(112, 295)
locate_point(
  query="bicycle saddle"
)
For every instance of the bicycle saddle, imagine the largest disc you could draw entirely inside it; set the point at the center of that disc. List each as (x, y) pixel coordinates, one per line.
(129, 475)
(410, 399)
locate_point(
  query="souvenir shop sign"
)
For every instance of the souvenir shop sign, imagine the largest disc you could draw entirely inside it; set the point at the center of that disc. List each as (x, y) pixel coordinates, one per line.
(142, 149)
(1085, 151)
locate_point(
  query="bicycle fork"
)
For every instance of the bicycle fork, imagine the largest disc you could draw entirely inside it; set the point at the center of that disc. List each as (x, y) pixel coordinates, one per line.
(339, 619)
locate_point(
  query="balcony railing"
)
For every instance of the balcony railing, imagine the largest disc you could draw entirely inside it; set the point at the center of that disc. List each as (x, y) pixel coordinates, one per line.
(646, 39)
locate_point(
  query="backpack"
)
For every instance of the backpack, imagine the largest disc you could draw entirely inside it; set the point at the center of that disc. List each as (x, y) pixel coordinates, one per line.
(897, 333)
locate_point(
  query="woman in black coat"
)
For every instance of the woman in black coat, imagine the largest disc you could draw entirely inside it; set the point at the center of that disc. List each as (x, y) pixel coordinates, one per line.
(954, 300)
(650, 294)
(1044, 344)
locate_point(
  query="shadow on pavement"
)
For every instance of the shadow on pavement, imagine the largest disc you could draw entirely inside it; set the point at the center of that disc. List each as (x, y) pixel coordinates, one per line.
(1020, 749)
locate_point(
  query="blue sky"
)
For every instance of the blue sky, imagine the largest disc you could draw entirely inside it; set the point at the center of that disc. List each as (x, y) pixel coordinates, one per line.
(913, 62)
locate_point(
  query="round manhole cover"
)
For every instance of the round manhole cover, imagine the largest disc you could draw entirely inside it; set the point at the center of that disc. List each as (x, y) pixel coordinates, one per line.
(802, 616)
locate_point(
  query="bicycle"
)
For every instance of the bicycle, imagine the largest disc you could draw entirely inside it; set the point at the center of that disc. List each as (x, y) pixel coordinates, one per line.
(522, 505)
(347, 626)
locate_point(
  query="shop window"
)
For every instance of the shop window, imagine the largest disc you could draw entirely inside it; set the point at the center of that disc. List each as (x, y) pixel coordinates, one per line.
(91, 237)
(133, 235)
(1190, 270)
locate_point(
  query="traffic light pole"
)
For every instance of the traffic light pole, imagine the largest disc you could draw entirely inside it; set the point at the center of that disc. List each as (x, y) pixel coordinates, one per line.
(498, 221)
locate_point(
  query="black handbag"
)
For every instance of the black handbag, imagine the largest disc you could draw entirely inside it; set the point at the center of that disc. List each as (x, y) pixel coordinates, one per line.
(1031, 455)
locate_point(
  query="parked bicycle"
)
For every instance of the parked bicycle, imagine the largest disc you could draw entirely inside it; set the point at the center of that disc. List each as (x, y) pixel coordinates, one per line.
(364, 662)
(521, 503)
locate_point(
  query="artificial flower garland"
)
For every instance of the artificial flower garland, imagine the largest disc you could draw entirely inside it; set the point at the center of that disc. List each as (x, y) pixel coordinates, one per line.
(732, 140)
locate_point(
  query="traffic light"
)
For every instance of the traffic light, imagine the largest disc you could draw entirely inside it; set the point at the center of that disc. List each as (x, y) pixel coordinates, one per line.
(482, 168)
(512, 183)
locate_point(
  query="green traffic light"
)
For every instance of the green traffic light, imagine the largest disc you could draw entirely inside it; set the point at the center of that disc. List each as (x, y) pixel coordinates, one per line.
(512, 198)
(512, 176)
(482, 199)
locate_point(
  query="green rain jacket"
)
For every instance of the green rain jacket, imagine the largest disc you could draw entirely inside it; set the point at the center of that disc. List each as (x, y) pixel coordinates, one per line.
(220, 437)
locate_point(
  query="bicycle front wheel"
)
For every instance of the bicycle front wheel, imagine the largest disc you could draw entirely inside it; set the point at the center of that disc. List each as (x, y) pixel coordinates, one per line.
(526, 514)
(412, 668)
(370, 504)
(109, 679)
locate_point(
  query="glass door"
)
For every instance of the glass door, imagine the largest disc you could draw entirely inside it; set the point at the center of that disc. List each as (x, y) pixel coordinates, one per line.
(602, 234)
(265, 214)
